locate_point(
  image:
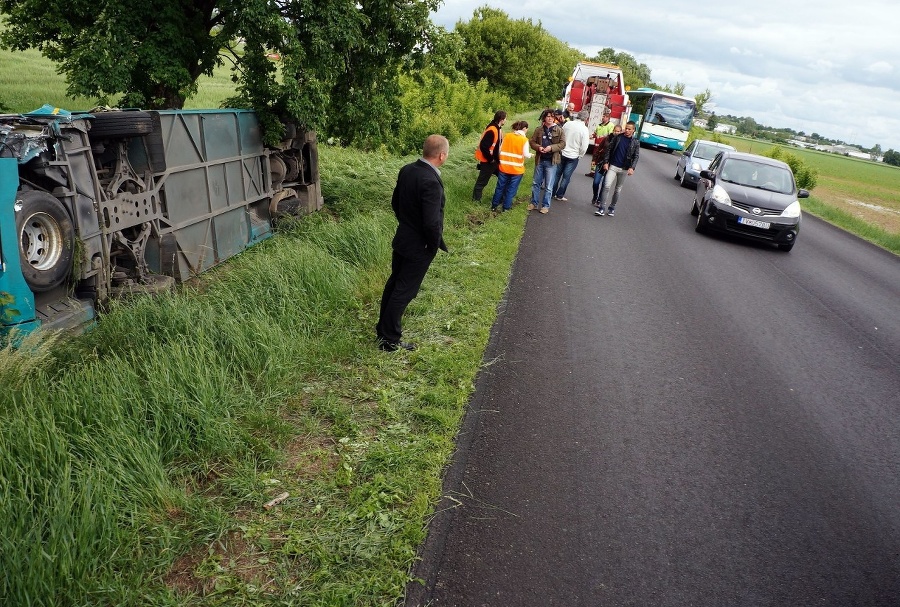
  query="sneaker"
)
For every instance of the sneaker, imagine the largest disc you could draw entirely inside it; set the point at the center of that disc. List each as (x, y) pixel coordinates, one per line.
(545, 210)
(591, 174)
(599, 213)
(531, 206)
(612, 213)
(563, 198)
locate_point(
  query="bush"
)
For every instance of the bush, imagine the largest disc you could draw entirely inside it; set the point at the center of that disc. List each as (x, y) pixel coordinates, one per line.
(434, 103)
(807, 177)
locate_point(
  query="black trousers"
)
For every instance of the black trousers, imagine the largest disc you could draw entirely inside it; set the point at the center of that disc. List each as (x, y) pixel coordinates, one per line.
(485, 170)
(401, 288)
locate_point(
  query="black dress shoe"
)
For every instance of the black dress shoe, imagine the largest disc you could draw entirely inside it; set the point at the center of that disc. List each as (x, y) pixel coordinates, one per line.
(392, 346)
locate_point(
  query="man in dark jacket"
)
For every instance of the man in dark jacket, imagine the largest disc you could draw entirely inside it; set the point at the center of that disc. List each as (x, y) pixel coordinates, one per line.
(619, 161)
(418, 203)
(488, 153)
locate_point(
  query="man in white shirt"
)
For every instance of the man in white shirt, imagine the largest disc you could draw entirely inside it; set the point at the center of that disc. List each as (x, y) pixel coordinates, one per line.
(578, 139)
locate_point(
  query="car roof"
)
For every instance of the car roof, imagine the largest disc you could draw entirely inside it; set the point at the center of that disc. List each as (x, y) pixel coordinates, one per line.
(755, 158)
(716, 144)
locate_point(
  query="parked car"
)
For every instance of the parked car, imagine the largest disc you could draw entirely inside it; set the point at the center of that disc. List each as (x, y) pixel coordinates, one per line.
(695, 158)
(749, 196)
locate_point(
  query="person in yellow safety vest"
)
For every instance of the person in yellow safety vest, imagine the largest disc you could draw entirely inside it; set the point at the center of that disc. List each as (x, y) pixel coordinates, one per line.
(514, 149)
(488, 153)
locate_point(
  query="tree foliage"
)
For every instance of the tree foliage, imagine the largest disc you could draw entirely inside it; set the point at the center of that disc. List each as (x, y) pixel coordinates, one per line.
(636, 74)
(517, 57)
(806, 176)
(701, 99)
(339, 67)
(891, 157)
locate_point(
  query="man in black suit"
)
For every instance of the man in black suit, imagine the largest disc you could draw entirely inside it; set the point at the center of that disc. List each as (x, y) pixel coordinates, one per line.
(418, 203)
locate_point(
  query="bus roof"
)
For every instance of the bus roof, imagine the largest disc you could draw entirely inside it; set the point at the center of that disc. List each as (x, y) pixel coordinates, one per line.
(649, 91)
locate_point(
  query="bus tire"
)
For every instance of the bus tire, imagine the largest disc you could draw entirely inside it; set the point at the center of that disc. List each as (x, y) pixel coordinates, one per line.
(119, 124)
(46, 240)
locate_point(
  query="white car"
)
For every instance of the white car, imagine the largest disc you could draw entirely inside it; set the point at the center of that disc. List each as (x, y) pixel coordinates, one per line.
(695, 158)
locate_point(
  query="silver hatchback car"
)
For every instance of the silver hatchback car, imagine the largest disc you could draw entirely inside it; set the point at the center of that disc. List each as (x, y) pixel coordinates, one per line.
(695, 158)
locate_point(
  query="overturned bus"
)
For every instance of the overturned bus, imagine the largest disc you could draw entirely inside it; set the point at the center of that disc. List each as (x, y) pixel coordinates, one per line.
(94, 206)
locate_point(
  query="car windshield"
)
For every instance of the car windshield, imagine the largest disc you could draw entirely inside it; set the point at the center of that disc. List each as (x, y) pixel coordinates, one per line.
(756, 175)
(706, 151)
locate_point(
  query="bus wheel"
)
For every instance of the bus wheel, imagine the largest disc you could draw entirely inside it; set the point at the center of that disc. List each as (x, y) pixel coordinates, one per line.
(118, 124)
(46, 239)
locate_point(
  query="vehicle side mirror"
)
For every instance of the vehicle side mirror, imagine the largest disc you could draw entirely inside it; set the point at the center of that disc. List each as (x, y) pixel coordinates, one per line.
(707, 174)
(803, 194)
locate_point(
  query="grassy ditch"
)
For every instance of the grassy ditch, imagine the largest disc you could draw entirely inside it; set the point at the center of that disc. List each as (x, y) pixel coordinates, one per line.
(136, 460)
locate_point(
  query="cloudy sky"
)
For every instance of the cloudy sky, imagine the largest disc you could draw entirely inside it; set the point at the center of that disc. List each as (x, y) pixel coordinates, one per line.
(831, 68)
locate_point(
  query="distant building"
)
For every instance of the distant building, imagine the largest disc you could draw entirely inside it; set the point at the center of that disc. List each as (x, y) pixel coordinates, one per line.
(701, 122)
(728, 129)
(844, 150)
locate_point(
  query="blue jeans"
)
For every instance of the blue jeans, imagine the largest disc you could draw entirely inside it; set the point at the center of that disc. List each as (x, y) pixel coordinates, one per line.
(507, 186)
(598, 183)
(542, 186)
(567, 167)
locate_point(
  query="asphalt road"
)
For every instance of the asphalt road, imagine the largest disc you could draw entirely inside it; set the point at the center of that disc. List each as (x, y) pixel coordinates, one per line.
(676, 419)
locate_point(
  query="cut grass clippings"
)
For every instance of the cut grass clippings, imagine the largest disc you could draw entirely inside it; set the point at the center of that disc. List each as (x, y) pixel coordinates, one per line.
(136, 459)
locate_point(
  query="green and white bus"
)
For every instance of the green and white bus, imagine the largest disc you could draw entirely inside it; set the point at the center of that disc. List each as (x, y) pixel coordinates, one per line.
(663, 119)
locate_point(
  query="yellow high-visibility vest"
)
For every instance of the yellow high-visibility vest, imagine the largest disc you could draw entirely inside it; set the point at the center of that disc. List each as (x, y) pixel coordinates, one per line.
(512, 158)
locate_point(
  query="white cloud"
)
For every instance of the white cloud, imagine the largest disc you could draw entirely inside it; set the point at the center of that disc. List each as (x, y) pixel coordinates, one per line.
(880, 67)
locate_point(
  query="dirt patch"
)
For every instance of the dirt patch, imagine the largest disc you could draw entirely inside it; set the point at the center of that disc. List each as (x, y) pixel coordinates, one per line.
(232, 556)
(884, 217)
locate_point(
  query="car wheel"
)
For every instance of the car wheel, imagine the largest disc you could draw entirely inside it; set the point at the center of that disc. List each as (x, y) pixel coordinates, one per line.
(786, 247)
(46, 240)
(677, 176)
(700, 227)
(695, 210)
(684, 181)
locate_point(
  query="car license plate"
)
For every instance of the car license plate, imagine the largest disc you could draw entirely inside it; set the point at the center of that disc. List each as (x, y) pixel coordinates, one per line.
(754, 223)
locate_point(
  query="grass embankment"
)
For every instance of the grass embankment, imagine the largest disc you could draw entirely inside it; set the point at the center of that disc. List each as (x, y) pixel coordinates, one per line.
(859, 196)
(135, 460)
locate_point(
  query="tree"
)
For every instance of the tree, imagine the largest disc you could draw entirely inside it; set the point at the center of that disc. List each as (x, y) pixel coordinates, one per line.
(712, 122)
(636, 74)
(701, 99)
(747, 126)
(517, 57)
(891, 157)
(341, 55)
(875, 152)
